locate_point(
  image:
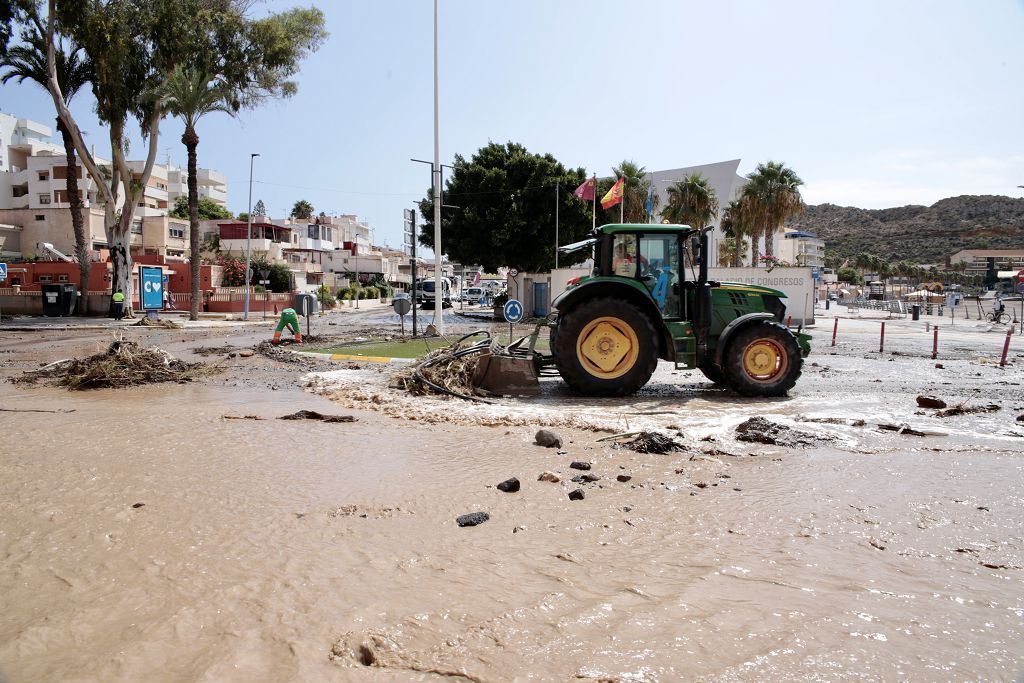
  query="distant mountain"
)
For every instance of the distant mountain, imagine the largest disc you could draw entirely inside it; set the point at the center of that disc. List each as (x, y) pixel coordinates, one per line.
(920, 234)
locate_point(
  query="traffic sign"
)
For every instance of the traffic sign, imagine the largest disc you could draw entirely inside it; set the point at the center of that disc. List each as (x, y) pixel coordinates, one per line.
(402, 306)
(513, 272)
(3, 272)
(151, 285)
(513, 310)
(1020, 287)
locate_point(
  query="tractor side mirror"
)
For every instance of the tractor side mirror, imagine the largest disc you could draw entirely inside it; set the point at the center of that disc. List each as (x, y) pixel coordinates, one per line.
(695, 249)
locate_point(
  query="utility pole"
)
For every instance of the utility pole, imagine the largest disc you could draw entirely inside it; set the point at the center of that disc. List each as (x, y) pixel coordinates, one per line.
(248, 241)
(438, 298)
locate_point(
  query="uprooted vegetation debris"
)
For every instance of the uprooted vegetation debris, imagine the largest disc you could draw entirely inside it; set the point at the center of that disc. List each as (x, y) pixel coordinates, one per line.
(652, 442)
(157, 322)
(313, 415)
(760, 430)
(125, 363)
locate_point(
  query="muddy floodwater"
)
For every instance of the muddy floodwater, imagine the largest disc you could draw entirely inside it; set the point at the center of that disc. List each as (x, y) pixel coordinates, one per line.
(144, 537)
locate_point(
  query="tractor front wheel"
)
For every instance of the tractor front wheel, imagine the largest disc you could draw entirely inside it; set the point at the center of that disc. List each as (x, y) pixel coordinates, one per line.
(713, 373)
(763, 359)
(605, 347)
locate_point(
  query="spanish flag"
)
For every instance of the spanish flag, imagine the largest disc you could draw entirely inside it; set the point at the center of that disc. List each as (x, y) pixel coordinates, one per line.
(614, 195)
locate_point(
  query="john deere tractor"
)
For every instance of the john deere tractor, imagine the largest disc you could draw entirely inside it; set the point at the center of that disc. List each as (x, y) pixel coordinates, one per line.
(649, 298)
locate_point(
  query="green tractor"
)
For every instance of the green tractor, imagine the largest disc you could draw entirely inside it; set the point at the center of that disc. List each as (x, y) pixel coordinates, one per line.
(639, 306)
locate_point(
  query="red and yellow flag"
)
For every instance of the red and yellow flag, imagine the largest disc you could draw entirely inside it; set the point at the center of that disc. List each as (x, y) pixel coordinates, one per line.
(614, 195)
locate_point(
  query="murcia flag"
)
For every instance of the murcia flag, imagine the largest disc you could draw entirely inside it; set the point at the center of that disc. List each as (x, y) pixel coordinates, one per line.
(586, 190)
(614, 195)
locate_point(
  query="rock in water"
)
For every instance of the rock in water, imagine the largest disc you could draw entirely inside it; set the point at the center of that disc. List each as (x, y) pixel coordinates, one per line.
(576, 495)
(472, 519)
(548, 439)
(577, 465)
(549, 476)
(509, 485)
(930, 402)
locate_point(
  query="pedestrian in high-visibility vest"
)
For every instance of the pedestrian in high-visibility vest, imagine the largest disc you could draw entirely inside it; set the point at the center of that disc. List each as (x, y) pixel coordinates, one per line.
(290, 320)
(118, 304)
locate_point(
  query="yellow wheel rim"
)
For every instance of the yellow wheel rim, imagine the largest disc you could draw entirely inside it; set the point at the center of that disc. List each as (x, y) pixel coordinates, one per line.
(764, 360)
(607, 347)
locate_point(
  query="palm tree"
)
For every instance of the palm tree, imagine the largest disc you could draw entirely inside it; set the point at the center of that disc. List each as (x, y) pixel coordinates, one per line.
(27, 62)
(737, 227)
(691, 201)
(634, 192)
(190, 94)
(774, 192)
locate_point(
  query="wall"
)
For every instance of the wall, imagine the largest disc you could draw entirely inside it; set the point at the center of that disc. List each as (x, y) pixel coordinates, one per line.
(55, 228)
(521, 286)
(796, 283)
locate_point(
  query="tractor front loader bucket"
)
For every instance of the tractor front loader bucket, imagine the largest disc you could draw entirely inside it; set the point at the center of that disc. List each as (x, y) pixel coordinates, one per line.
(498, 375)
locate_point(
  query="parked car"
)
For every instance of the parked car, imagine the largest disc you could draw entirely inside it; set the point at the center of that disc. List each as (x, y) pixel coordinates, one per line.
(474, 295)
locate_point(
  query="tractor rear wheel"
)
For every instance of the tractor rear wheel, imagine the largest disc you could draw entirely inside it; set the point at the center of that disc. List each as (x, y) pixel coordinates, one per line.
(605, 347)
(763, 359)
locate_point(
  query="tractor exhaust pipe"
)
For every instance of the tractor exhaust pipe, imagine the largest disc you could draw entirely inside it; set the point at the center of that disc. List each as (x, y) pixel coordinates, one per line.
(702, 319)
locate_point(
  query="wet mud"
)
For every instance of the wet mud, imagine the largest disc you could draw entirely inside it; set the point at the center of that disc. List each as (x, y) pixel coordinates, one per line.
(146, 537)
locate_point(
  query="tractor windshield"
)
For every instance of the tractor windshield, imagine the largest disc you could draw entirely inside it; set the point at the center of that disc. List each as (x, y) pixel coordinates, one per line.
(653, 259)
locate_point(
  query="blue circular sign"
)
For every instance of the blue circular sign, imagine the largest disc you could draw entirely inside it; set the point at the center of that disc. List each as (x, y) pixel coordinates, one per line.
(513, 310)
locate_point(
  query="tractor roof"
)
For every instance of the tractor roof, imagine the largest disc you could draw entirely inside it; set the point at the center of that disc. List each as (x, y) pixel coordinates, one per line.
(614, 228)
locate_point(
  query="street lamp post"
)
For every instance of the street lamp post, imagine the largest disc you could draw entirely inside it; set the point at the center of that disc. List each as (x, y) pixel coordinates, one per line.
(438, 300)
(248, 241)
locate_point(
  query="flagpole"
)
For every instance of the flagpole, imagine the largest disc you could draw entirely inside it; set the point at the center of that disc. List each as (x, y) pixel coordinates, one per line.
(556, 225)
(594, 226)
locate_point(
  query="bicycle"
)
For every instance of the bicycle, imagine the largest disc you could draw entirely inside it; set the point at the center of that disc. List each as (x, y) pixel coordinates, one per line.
(1000, 317)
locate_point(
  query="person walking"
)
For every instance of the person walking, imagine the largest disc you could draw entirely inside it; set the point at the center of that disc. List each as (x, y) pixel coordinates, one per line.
(118, 304)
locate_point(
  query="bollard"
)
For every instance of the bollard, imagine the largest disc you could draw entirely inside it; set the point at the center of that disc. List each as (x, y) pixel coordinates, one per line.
(935, 344)
(1006, 348)
(835, 328)
(881, 340)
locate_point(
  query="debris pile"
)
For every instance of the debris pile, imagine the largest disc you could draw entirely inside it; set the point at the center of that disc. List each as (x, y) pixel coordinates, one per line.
(123, 364)
(313, 415)
(652, 442)
(156, 322)
(760, 430)
(449, 370)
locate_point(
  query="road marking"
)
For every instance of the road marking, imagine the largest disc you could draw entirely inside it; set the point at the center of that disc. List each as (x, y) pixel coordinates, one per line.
(369, 359)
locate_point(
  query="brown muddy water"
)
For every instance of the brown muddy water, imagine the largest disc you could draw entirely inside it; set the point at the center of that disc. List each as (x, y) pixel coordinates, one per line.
(294, 551)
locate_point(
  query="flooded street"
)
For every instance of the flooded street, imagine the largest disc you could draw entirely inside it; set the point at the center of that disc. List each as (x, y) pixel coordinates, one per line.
(146, 538)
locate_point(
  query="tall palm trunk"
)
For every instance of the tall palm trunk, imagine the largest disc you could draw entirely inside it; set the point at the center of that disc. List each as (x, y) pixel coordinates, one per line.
(77, 221)
(191, 141)
(769, 240)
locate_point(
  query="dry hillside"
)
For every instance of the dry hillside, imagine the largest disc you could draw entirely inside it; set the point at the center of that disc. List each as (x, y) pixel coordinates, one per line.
(921, 234)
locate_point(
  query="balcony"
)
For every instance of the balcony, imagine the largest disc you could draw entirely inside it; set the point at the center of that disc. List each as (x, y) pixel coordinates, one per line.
(207, 176)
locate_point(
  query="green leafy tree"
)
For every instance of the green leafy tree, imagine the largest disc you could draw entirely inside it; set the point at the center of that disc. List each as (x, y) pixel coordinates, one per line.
(27, 62)
(302, 210)
(773, 191)
(849, 275)
(209, 210)
(506, 198)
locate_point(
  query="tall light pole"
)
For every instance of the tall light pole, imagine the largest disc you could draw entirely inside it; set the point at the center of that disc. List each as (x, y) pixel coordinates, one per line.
(248, 240)
(438, 299)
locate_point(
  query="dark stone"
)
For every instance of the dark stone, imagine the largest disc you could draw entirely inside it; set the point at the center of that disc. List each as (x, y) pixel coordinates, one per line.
(138, 505)
(930, 402)
(473, 518)
(585, 478)
(509, 485)
(548, 439)
(576, 495)
(623, 478)
(760, 430)
(1020, 418)
(577, 465)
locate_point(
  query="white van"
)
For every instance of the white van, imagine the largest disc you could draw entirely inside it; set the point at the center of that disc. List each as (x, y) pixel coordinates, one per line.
(473, 295)
(425, 294)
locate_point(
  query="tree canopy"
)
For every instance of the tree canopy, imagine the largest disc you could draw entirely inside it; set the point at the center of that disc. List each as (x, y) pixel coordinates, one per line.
(499, 210)
(302, 209)
(209, 210)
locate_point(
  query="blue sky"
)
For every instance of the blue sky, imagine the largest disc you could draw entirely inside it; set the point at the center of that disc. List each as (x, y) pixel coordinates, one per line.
(874, 104)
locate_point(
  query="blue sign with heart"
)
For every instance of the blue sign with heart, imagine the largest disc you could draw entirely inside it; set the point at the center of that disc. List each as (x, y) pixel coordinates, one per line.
(151, 288)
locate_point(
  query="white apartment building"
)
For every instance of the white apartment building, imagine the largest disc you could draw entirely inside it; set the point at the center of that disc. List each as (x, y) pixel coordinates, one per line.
(801, 248)
(211, 184)
(34, 206)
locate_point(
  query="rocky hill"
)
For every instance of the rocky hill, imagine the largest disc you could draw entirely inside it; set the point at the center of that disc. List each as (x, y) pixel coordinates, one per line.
(921, 234)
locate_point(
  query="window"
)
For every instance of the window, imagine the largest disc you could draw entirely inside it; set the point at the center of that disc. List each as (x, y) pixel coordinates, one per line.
(44, 198)
(44, 278)
(44, 176)
(624, 256)
(313, 231)
(659, 271)
(136, 227)
(62, 278)
(40, 217)
(177, 232)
